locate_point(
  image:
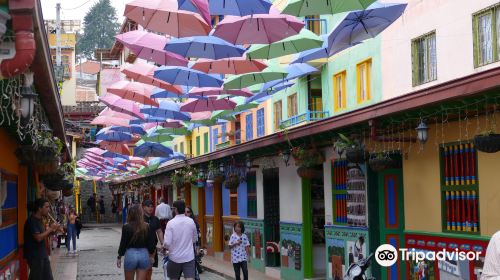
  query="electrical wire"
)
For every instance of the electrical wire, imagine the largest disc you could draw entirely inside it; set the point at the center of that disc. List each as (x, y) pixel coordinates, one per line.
(85, 3)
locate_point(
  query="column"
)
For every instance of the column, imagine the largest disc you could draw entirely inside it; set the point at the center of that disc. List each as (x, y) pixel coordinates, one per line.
(218, 245)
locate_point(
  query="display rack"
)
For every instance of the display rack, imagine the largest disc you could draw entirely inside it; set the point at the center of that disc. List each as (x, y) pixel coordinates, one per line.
(349, 194)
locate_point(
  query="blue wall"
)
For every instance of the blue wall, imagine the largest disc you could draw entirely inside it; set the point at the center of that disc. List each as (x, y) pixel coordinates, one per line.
(225, 201)
(8, 235)
(242, 200)
(209, 200)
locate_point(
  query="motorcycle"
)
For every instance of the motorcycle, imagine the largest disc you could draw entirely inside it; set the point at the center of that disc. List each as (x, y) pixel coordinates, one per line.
(358, 271)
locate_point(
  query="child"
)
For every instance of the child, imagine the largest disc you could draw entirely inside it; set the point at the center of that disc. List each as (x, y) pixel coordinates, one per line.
(239, 245)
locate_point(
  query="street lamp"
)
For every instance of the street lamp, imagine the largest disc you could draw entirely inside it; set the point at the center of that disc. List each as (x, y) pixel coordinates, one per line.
(27, 97)
(248, 162)
(286, 156)
(422, 132)
(221, 167)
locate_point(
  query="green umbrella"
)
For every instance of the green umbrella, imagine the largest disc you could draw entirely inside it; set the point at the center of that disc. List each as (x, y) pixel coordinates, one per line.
(244, 80)
(301, 8)
(303, 41)
(240, 107)
(173, 130)
(148, 169)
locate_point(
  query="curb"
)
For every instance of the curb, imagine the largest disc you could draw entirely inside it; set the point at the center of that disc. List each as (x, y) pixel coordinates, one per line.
(222, 274)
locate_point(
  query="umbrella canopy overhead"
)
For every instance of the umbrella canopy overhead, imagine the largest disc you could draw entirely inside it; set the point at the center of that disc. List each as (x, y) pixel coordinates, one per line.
(107, 112)
(149, 46)
(114, 136)
(120, 105)
(241, 106)
(211, 104)
(302, 8)
(196, 6)
(151, 149)
(264, 94)
(258, 29)
(106, 121)
(208, 91)
(116, 147)
(167, 110)
(204, 47)
(133, 91)
(163, 16)
(133, 129)
(143, 73)
(155, 136)
(305, 40)
(161, 93)
(186, 76)
(239, 7)
(234, 66)
(248, 79)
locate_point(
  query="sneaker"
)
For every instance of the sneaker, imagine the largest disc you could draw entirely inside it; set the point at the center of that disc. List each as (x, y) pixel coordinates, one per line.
(75, 253)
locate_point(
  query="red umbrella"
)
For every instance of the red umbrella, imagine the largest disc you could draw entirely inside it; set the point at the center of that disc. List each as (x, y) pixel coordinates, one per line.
(133, 91)
(234, 66)
(164, 16)
(143, 73)
(209, 104)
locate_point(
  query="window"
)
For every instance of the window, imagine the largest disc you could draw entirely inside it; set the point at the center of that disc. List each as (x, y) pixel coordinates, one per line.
(424, 61)
(339, 94)
(205, 143)
(223, 131)
(316, 25)
(277, 114)
(459, 188)
(260, 123)
(252, 195)
(363, 80)
(175, 148)
(182, 147)
(215, 136)
(190, 147)
(198, 148)
(292, 105)
(233, 202)
(486, 36)
(249, 127)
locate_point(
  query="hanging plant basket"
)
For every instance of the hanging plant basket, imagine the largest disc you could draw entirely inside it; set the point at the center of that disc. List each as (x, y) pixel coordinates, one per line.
(45, 154)
(356, 155)
(53, 182)
(487, 143)
(26, 154)
(378, 164)
(48, 167)
(218, 179)
(232, 181)
(308, 173)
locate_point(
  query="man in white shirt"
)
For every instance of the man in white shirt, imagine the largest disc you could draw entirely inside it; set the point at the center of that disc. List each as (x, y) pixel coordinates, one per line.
(491, 267)
(180, 236)
(163, 213)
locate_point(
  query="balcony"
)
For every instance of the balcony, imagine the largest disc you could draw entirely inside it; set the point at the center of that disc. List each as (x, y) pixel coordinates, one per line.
(308, 116)
(93, 108)
(222, 145)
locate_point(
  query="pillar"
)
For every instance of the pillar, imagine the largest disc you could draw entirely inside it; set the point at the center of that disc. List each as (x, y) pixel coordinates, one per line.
(201, 214)
(187, 193)
(218, 232)
(22, 215)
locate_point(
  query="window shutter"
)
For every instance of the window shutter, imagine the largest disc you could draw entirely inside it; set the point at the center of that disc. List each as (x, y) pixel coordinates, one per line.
(414, 62)
(475, 40)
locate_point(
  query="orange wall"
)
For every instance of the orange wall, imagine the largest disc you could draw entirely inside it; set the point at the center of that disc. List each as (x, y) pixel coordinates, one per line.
(8, 160)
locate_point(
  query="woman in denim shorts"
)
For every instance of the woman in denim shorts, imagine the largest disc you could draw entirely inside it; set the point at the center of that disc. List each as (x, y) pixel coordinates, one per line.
(136, 245)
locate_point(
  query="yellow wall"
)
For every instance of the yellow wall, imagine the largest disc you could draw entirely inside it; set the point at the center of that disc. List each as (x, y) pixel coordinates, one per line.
(421, 172)
(199, 132)
(67, 40)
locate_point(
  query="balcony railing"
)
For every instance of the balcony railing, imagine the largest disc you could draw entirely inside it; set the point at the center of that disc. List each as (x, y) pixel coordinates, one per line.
(222, 145)
(84, 107)
(308, 116)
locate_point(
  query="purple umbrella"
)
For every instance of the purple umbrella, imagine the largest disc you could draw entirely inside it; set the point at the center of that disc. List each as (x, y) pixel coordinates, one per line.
(197, 6)
(211, 104)
(239, 7)
(167, 110)
(204, 47)
(187, 77)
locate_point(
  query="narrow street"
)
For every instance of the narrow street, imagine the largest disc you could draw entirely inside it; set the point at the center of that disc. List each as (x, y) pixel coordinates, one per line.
(97, 256)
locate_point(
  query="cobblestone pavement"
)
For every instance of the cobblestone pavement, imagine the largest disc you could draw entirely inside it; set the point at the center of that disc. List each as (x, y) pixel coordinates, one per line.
(97, 257)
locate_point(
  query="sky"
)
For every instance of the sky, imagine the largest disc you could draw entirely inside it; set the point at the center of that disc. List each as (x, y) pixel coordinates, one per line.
(76, 9)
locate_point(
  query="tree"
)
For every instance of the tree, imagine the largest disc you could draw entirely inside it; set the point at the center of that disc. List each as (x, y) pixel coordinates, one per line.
(100, 27)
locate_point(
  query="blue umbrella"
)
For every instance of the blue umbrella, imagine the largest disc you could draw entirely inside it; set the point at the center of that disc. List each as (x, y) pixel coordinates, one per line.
(167, 110)
(265, 94)
(239, 7)
(113, 155)
(178, 156)
(185, 76)
(133, 129)
(356, 27)
(113, 136)
(151, 149)
(161, 93)
(296, 70)
(204, 47)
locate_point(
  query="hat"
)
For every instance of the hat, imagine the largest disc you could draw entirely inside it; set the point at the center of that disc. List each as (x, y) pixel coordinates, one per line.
(147, 202)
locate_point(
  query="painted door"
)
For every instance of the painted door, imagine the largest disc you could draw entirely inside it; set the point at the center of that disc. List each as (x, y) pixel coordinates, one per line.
(272, 213)
(391, 217)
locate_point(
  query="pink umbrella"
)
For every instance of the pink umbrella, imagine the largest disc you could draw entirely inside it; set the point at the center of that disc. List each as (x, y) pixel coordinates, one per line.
(143, 73)
(107, 121)
(210, 104)
(258, 29)
(209, 91)
(115, 147)
(120, 105)
(234, 66)
(133, 91)
(137, 160)
(163, 16)
(110, 113)
(96, 151)
(199, 116)
(149, 46)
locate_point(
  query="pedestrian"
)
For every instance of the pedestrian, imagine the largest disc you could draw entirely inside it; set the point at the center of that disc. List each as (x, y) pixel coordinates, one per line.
(79, 226)
(491, 267)
(189, 213)
(91, 203)
(136, 245)
(180, 235)
(71, 228)
(102, 209)
(154, 226)
(35, 234)
(164, 213)
(239, 245)
(114, 209)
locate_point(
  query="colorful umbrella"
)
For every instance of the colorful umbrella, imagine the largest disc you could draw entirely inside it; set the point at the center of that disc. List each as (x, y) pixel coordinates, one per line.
(167, 124)
(239, 7)
(241, 106)
(208, 91)
(161, 93)
(186, 76)
(133, 91)
(120, 105)
(133, 129)
(196, 6)
(204, 47)
(301, 8)
(172, 131)
(143, 73)
(151, 149)
(305, 40)
(164, 17)
(264, 94)
(257, 29)
(234, 66)
(248, 79)
(149, 46)
(116, 147)
(157, 137)
(211, 104)
(113, 136)
(106, 121)
(167, 110)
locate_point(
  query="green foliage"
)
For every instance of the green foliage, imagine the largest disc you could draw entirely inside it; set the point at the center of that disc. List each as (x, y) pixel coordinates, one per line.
(306, 158)
(101, 26)
(344, 143)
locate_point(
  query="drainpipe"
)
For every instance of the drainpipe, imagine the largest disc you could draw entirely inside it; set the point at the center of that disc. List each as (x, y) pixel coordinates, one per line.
(22, 25)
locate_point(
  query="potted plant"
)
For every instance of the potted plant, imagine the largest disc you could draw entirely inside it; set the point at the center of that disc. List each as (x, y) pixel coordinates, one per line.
(214, 175)
(307, 160)
(177, 179)
(232, 181)
(190, 175)
(488, 142)
(380, 162)
(354, 150)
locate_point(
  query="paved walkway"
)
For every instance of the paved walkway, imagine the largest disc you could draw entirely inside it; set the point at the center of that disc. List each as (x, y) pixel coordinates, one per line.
(225, 269)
